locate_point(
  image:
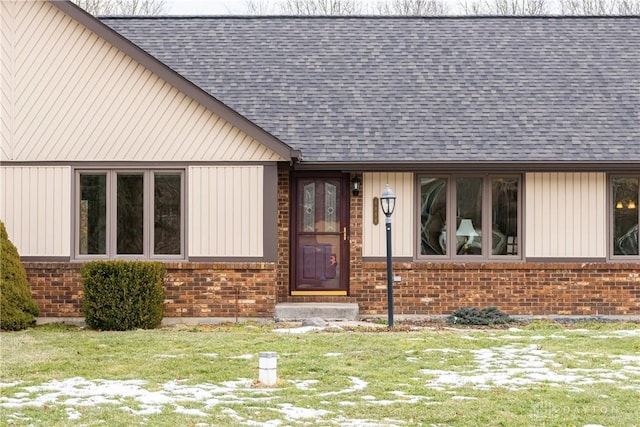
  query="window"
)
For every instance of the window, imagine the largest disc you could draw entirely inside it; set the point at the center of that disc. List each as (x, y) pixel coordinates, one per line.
(625, 216)
(478, 206)
(130, 213)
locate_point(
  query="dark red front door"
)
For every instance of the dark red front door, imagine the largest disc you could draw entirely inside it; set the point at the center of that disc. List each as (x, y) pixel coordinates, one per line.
(320, 231)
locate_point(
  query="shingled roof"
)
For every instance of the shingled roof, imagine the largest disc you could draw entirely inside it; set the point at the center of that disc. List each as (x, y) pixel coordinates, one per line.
(417, 90)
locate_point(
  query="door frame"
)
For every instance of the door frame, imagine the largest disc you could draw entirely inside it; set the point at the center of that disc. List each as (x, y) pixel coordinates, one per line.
(345, 209)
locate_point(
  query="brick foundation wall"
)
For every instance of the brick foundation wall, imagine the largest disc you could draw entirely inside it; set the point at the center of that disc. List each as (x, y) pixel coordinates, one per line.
(248, 289)
(516, 288)
(191, 289)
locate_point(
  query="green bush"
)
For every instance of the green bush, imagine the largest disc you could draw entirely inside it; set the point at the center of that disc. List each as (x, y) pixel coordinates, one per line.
(123, 295)
(473, 316)
(17, 308)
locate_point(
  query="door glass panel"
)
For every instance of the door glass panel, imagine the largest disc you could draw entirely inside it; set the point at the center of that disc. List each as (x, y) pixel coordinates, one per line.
(319, 262)
(468, 216)
(625, 216)
(167, 215)
(309, 207)
(93, 214)
(320, 211)
(130, 213)
(330, 207)
(504, 215)
(433, 202)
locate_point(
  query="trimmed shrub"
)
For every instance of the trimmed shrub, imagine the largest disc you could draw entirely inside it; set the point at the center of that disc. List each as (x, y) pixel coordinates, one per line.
(17, 308)
(473, 316)
(123, 295)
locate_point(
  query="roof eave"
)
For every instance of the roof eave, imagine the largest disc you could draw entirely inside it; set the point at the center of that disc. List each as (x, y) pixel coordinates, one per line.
(177, 80)
(627, 166)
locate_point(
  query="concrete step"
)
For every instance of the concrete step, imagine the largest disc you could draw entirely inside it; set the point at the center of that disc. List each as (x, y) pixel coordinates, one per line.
(298, 311)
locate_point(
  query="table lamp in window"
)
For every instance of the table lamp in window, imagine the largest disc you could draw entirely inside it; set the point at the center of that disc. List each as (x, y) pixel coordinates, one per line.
(466, 230)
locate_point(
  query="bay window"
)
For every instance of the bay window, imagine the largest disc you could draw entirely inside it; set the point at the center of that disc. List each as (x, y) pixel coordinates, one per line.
(477, 207)
(625, 217)
(130, 213)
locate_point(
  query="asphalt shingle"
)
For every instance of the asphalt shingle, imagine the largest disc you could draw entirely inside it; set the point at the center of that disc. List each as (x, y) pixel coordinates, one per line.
(371, 89)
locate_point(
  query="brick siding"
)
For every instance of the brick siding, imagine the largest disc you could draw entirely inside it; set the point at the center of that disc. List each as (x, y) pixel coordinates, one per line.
(515, 288)
(191, 289)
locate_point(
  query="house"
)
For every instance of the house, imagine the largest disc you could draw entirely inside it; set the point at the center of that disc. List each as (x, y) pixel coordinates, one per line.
(229, 148)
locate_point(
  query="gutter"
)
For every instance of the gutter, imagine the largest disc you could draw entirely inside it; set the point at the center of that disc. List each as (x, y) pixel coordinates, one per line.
(470, 167)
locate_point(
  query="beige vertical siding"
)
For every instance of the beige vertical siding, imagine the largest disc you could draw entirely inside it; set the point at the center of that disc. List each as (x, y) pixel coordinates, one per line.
(374, 243)
(566, 215)
(66, 94)
(35, 205)
(226, 211)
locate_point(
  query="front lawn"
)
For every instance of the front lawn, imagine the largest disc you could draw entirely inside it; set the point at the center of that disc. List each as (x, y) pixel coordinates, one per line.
(536, 375)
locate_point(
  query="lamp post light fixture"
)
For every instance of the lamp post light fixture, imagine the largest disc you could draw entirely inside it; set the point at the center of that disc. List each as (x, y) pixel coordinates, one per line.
(388, 204)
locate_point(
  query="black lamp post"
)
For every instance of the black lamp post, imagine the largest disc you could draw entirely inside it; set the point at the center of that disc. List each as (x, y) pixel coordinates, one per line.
(388, 204)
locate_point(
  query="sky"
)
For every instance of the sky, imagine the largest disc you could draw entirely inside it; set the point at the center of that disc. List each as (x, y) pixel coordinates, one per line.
(221, 7)
(205, 7)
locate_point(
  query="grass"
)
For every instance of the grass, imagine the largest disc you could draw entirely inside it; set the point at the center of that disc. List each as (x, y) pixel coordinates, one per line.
(542, 374)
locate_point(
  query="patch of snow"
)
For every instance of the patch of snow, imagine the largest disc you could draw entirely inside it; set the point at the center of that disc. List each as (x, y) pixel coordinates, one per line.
(11, 384)
(383, 402)
(243, 356)
(80, 392)
(232, 413)
(146, 410)
(300, 330)
(626, 359)
(304, 384)
(558, 337)
(188, 411)
(295, 413)
(408, 398)
(18, 416)
(628, 333)
(517, 367)
(348, 422)
(72, 414)
(441, 350)
(358, 384)
(506, 337)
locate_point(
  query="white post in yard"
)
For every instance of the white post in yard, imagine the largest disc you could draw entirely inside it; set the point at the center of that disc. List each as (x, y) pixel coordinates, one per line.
(268, 364)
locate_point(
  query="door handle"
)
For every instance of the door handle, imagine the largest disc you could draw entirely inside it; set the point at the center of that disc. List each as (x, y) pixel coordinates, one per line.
(344, 233)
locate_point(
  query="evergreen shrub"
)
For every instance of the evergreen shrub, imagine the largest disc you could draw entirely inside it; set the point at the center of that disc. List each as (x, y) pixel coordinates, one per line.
(17, 308)
(123, 295)
(473, 316)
